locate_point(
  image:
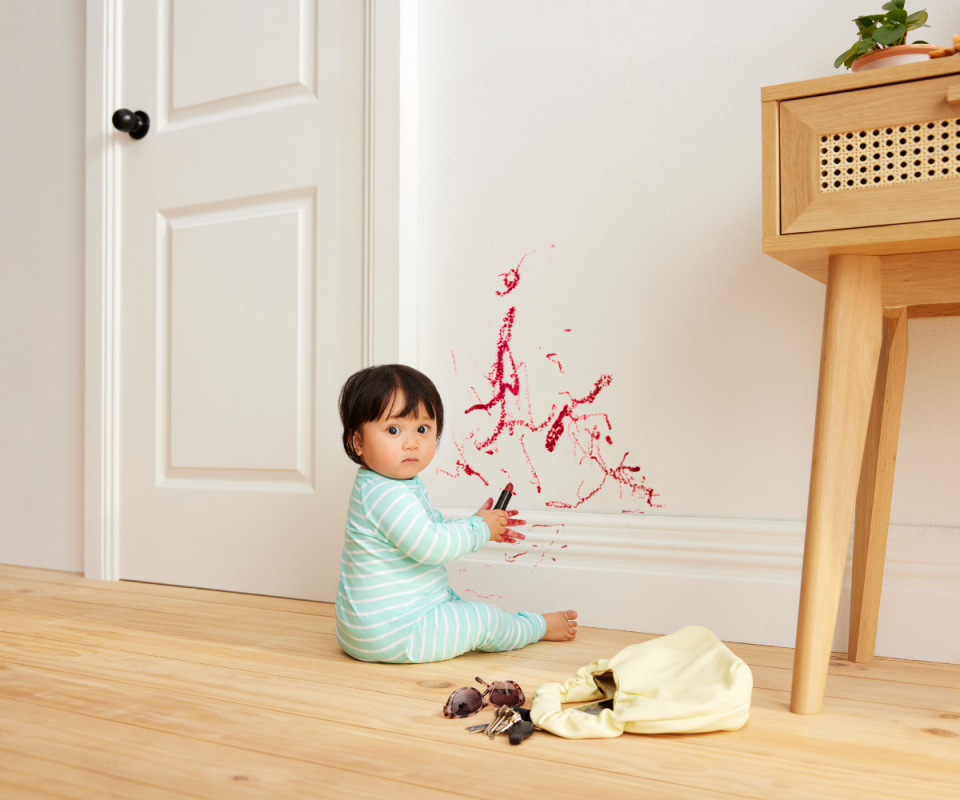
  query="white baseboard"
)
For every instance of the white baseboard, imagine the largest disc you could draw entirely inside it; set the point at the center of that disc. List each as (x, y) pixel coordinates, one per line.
(740, 578)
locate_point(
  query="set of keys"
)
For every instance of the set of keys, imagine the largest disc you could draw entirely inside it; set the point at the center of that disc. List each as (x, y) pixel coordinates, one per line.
(506, 719)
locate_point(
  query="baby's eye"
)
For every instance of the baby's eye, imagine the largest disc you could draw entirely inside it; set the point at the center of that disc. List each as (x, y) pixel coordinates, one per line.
(393, 429)
(422, 429)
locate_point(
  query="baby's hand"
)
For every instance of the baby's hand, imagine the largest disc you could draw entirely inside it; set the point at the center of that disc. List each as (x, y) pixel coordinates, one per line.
(498, 521)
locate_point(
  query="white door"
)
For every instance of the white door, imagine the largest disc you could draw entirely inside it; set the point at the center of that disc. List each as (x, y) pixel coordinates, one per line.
(241, 285)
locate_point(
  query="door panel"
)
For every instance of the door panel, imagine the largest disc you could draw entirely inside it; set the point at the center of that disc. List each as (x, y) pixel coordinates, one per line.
(238, 307)
(210, 43)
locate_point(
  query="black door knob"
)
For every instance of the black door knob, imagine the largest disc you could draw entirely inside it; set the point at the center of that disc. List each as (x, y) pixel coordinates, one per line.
(136, 123)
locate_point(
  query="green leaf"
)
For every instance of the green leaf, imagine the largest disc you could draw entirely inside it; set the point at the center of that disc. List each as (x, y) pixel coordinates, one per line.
(888, 35)
(919, 41)
(865, 22)
(897, 15)
(841, 58)
(864, 46)
(893, 4)
(918, 17)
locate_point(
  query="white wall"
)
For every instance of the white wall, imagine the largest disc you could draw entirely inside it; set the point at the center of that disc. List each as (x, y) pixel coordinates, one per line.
(627, 134)
(41, 283)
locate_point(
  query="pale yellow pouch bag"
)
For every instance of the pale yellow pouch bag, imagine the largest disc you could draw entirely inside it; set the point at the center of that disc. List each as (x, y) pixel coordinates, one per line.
(686, 682)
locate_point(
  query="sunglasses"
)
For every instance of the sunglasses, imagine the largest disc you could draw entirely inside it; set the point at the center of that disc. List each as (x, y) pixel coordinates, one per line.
(469, 700)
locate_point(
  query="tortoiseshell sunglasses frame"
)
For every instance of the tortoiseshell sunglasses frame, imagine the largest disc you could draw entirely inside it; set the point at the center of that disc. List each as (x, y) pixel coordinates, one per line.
(485, 701)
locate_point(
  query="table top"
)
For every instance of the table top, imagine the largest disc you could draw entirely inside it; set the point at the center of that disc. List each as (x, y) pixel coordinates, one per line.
(849, 81)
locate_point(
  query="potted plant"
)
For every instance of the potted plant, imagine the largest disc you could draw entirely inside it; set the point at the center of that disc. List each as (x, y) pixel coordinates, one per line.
(882, 39)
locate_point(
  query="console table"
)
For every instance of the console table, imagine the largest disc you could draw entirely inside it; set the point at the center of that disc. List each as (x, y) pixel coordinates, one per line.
(861, 191)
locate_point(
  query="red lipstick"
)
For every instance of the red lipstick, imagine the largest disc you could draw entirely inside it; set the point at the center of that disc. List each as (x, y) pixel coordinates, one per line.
(504, 499)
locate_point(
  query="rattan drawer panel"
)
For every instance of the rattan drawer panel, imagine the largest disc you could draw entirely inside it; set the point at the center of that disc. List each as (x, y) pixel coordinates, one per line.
(878, 156)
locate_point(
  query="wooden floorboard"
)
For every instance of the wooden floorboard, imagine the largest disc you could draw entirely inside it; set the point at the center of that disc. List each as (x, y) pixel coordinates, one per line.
(140, 690)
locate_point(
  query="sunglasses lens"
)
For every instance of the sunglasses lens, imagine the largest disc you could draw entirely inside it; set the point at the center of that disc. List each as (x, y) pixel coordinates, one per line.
(464, 702)
(505, 693)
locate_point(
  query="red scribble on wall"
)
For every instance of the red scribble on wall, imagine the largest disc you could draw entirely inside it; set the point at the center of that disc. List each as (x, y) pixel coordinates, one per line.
(556, 430)
(462, 464)
(454, 357)
(582, 428)
(506, 393)
(512, 277)
(533, 471)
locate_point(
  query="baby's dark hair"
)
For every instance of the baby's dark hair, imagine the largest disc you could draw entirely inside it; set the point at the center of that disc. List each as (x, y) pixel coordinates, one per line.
(369, 395)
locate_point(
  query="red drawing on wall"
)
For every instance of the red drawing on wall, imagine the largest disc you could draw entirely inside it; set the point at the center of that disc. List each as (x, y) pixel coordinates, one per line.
(505, 408)
(512, 276)
(553, 357)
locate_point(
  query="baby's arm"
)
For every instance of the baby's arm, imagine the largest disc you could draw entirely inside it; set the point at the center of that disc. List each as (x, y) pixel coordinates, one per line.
(399, 517)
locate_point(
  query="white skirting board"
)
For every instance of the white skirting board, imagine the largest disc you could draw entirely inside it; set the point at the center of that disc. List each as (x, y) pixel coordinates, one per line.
(740, 578)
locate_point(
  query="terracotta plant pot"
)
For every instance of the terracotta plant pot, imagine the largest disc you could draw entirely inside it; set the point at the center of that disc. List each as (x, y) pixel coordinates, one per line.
(892, 56)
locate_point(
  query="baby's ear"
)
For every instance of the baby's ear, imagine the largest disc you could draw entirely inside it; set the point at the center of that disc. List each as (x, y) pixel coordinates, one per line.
(357, 444)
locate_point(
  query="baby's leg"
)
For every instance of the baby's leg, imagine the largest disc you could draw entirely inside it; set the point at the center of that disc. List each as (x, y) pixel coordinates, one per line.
(504, 630)
(459, 626)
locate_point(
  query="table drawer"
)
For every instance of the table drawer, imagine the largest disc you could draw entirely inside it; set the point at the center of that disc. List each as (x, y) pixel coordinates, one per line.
(871, 157)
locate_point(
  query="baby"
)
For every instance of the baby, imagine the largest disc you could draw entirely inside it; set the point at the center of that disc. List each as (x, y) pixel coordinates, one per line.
(394, 602)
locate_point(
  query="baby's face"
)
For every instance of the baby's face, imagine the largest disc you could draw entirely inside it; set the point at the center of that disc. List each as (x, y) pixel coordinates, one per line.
(397, 447)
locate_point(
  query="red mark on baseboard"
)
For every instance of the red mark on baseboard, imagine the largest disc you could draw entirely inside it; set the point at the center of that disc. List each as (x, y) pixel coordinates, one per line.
(484, 596)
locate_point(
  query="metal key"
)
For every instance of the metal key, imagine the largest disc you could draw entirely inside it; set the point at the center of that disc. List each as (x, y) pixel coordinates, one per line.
(498, 719)
(509, 722)
(478, 728)
(506, 717)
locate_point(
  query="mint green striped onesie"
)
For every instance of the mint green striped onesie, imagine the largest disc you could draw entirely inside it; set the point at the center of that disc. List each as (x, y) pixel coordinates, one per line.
(394, 602)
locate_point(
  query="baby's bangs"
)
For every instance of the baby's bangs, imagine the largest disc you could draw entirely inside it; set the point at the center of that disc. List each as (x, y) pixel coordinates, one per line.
(416, 394)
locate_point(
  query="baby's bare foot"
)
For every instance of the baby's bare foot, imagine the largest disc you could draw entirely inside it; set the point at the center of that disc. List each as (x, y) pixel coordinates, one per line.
(561, 626)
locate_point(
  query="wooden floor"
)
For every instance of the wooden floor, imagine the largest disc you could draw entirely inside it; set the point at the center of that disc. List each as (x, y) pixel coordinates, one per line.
(142, 691)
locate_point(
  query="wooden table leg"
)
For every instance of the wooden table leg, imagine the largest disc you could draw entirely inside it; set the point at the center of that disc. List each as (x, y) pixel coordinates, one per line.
(876, 490)
(852, 334)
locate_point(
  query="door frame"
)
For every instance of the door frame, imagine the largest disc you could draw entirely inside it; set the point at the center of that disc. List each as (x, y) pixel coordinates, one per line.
(389, 247)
